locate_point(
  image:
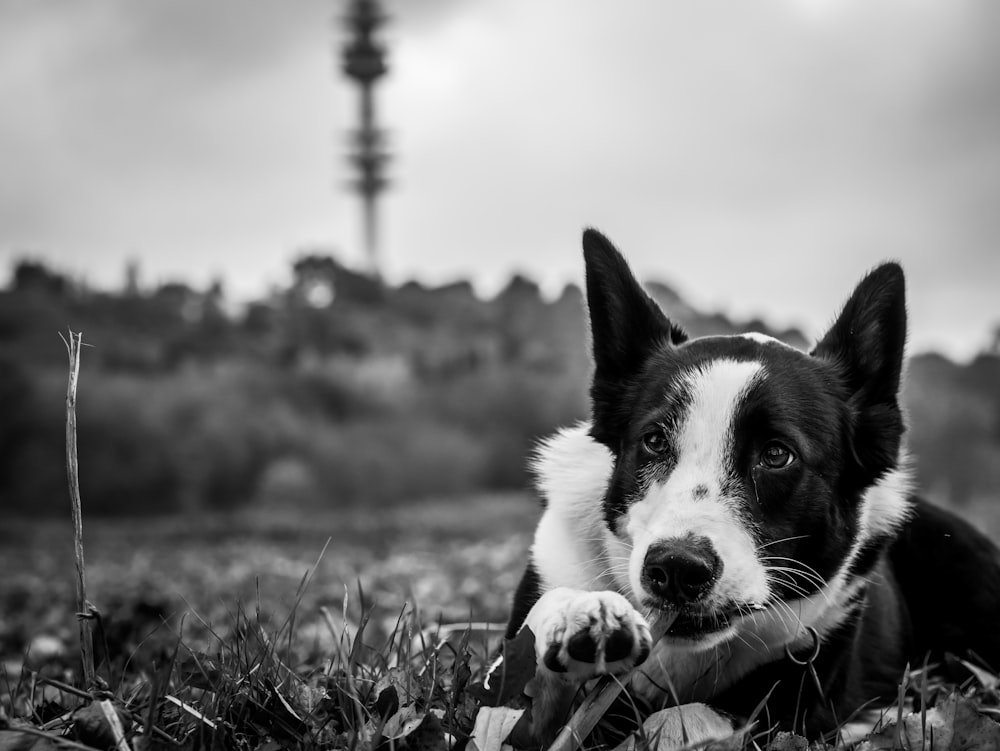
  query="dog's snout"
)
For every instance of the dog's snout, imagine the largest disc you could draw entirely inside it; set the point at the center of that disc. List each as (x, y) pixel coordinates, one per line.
(681, 571)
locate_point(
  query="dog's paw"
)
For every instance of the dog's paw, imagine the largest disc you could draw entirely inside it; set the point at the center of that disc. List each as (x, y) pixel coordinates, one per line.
(588, 633)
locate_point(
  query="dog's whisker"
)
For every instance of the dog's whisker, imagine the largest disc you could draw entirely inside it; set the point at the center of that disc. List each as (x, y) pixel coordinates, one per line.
(744, 611)
(790, 574)
(606, 573)
(609, 573)
(820, 583)
(821, 591)
(804, 566)
(791, 585)
(740, 638)
(794, 572)
(783, 539)
(804, 575)
(782, 605)
(602, 540)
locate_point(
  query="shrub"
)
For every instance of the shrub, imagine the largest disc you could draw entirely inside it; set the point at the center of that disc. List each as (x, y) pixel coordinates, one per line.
(394, 459)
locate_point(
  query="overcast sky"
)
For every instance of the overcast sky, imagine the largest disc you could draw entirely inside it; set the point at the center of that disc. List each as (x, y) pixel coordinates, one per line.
(759, 155)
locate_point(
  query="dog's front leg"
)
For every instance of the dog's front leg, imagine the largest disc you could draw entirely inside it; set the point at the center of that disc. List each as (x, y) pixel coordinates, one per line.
(579, 635)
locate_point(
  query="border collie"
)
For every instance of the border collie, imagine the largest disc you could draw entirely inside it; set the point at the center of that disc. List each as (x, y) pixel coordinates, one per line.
(756, 499)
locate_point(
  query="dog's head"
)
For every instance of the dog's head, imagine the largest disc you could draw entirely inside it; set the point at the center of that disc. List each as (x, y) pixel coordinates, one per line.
(746, 474)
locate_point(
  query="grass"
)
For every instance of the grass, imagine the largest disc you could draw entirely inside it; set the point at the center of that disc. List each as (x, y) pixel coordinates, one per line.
(435, 555)
(233, 631)
(211, 635)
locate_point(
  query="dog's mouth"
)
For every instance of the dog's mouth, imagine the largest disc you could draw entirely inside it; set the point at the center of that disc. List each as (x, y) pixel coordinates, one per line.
(692, 624)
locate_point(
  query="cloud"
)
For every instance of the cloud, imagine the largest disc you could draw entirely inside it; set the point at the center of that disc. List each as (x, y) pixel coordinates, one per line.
(719, 142)
(180, 130)
(760, 155)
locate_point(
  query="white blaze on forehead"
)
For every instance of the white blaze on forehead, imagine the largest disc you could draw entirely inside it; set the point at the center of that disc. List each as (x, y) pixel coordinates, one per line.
(705, 441)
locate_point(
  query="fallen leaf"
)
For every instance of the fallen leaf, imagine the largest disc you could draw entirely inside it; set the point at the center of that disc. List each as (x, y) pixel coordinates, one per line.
(404, 722)
(973, 730)
(92, 727)
(428, 736)
(492, 728)
(507, 678)
(986, 679)
(785, 741)
(953, 724)
(412, 730)
(683, 726)
(400, 680)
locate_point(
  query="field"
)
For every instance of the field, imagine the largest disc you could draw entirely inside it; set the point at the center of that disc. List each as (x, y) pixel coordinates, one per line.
(269, 604)
(455, 561)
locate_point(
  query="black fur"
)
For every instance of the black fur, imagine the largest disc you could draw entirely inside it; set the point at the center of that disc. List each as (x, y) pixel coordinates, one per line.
(529, 589)
(948, 573)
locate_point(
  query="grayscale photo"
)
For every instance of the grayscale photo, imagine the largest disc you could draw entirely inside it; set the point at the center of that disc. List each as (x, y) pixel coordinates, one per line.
(480, 375)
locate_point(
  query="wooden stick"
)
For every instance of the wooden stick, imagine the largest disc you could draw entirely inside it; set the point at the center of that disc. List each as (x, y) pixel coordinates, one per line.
(596, 705)
(84, 609)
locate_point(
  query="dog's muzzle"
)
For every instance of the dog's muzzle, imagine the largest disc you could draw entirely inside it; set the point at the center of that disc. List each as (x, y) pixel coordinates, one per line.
(681, 571)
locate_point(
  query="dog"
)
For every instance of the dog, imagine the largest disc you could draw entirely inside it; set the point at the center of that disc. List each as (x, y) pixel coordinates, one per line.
(753, 502)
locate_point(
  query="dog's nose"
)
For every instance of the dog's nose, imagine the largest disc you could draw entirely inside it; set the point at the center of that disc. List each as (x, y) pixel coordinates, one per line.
(681, 571)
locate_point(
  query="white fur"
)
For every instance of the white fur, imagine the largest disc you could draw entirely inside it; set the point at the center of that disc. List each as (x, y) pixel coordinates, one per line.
(887, 504)
(756, 336)
(572, 472)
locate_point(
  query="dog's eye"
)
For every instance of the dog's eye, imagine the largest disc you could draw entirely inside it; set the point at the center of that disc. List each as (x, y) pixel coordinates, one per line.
(776, 456)
(655, 442)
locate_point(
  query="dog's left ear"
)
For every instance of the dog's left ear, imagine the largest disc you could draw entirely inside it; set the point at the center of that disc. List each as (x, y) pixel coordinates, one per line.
(866, 345)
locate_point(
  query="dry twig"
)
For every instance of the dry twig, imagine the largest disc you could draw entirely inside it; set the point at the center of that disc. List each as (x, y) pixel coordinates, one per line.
(85, 611)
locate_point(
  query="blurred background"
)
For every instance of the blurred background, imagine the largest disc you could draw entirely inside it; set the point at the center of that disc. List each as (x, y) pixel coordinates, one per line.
(328, 264)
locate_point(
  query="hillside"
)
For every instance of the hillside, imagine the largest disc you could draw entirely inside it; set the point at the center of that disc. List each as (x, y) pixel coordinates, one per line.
(337, 390)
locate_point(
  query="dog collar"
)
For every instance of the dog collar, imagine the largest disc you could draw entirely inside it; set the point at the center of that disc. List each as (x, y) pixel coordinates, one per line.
(813, 652)
(807, 663)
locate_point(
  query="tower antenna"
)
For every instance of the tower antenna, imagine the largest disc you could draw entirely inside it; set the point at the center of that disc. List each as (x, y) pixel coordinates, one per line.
(364, 62)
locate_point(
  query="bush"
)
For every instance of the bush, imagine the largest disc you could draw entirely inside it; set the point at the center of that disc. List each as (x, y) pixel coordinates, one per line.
(153, 444)
(333, 431)
(509, 410)
(394, 459)
(125, 459)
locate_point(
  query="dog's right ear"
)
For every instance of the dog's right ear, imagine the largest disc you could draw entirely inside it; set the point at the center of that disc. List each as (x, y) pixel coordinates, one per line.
(625, 325)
